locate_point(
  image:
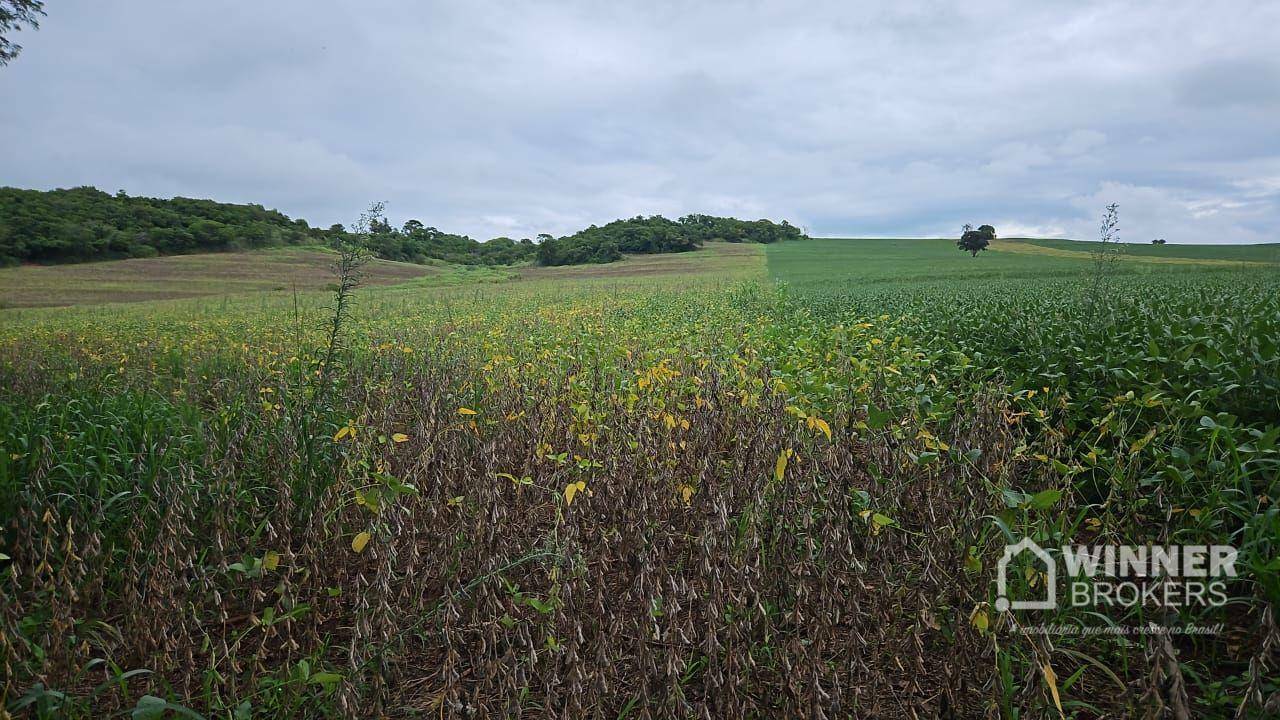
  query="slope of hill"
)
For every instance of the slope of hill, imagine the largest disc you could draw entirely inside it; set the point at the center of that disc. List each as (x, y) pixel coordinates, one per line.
(185, 276)
(85, 224)
(1265, 253)
(282, 270)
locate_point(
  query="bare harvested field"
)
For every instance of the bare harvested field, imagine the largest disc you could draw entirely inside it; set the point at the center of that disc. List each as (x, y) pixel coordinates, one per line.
(185, 276)
(730, 259)
(241, 273)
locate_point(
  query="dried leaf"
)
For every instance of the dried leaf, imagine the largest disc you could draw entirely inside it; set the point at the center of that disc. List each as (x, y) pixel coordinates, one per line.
(1051, 679)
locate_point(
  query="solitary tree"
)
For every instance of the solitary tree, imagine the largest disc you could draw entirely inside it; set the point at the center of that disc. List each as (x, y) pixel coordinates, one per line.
(1158, 241)
(13, 15)
(974, 241)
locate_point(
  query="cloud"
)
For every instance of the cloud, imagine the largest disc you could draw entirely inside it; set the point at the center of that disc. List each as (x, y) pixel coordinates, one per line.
(1017, 158)
(1231, 83)
(513, 118)
(1180, 216)
(1079, 142)
(1015, 229)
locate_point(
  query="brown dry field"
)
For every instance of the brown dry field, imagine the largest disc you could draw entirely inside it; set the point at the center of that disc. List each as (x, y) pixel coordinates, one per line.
(185, 276)
(713, 256)
(307, 269)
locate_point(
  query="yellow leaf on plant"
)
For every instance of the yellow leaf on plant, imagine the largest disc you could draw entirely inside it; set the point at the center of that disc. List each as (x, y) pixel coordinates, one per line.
(466, 411)
(359, 541)
(1035, 577)
(344, 431)
(822, 425)
(686, 492)
(573, 489)
(400, 437)
(1142, 442)
(369, 500)
(780, 466)
(979, 619)
(270, 560)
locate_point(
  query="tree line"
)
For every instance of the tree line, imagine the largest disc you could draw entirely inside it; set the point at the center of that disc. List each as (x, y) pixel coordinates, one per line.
(84, 224)
(656, 234)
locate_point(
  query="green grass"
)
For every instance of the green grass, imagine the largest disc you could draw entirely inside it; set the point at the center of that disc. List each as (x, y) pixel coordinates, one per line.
(835, 264)
(857, 262)
(1266, 253)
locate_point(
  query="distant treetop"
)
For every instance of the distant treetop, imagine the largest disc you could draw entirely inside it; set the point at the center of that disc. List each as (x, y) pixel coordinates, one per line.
(975, 241)
(657, 234)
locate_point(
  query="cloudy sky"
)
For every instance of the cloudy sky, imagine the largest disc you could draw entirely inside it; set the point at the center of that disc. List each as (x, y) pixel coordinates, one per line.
(488, 118)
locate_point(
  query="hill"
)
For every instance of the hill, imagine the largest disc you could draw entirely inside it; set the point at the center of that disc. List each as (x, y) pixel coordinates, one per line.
(306, 269)
(656, 234)
(85, 224)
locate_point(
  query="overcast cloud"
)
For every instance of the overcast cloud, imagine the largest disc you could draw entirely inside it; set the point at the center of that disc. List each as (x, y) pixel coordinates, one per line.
(517, 118)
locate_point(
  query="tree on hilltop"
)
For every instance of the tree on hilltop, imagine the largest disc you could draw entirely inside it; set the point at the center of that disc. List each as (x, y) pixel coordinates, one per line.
(974, 241)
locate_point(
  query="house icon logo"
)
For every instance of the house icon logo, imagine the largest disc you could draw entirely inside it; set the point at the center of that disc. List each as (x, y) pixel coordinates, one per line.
(1002, 582)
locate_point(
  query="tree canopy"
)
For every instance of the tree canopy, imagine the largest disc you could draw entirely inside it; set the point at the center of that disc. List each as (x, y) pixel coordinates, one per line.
(656, 234)
(84, 223)
(13, 15)
(975, 241)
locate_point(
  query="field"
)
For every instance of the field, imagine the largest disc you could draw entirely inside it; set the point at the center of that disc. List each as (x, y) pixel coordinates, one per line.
(281, 271)
(744, 481)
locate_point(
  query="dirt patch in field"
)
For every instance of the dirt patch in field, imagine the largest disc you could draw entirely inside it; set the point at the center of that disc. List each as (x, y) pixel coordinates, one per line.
(185, 276)
(711, 257)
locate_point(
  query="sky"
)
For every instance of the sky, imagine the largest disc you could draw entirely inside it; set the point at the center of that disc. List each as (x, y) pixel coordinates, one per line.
(492, 118)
